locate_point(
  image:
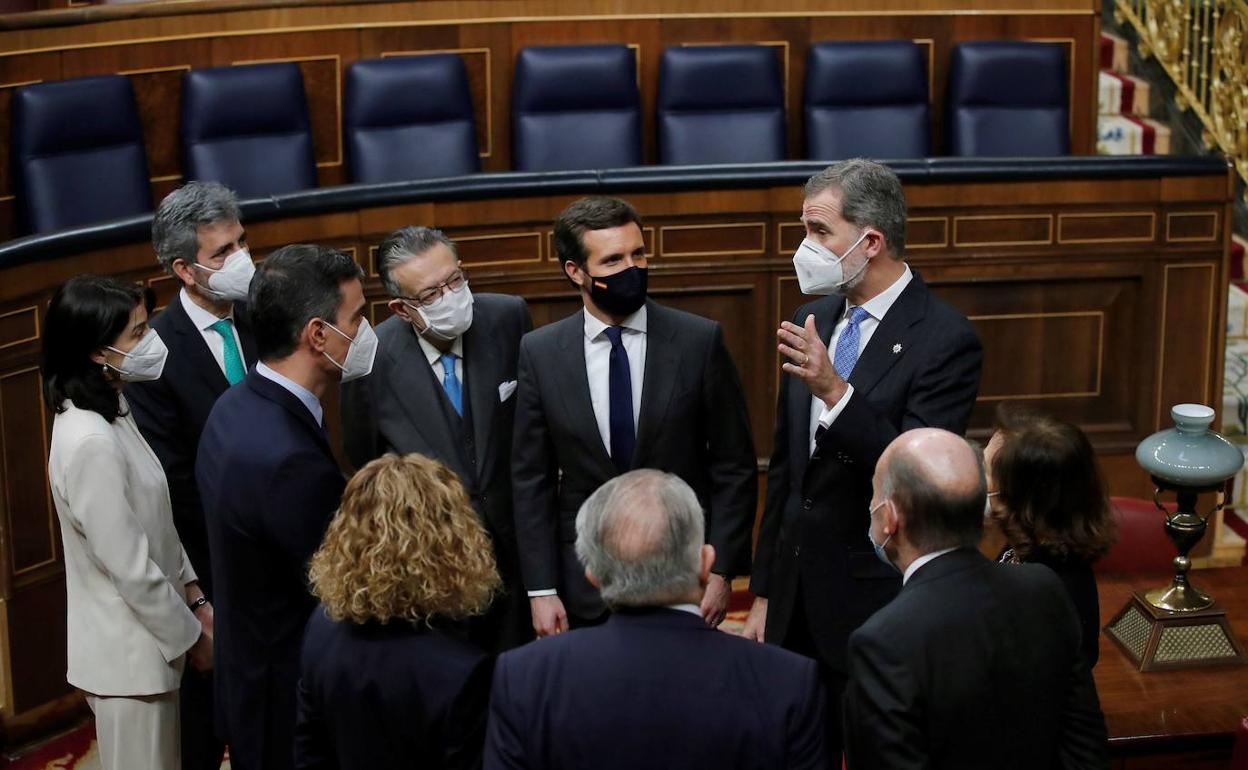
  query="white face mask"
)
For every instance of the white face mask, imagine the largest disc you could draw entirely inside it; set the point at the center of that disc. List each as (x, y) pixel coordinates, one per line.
(144, 362)
(233, 280)
(988, 504)
(819, 270)
(359, 360)
(449, 317)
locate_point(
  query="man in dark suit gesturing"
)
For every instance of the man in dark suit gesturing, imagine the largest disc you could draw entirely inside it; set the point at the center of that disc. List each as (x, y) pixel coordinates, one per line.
(654, 686)
(878, 356)
(972, 665)
(627, 383)
(444, 386)
(270, 486)
(199, 240)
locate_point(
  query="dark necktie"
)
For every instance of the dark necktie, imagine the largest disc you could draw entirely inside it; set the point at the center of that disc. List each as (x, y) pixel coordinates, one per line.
(623, 434)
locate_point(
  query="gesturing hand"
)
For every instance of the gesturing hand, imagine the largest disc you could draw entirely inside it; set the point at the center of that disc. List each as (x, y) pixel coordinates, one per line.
(808, 359)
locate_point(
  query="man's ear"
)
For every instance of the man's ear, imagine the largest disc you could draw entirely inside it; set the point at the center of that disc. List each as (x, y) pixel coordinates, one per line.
(574, 272)
(315, 332)
(873, 244)
(183, 270)
(403, 310)
(593, 581)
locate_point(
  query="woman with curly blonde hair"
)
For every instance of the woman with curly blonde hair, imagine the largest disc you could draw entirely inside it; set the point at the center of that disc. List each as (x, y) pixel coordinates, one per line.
(383, 682)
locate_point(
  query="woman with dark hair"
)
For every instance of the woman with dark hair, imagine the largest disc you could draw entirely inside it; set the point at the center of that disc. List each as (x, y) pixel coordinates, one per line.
(1047, 494)
(135, 610)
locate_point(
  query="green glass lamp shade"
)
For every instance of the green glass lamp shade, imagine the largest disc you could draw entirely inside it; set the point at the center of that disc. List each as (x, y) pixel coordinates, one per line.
(1190, 454)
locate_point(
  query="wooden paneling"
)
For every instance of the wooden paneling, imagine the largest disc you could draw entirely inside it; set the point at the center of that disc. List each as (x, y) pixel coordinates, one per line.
(157, 43)
(1105, 334)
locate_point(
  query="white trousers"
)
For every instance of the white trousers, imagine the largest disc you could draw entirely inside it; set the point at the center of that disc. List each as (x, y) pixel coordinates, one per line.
(138, 733)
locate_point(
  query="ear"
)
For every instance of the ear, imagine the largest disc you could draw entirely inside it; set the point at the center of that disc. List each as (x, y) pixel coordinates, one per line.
(404, 311)
(704, 568)
(593, 581)
(315, 332)
(99, 357)
(183, 270)
(573, 272)
(892, 518)
(873, 244)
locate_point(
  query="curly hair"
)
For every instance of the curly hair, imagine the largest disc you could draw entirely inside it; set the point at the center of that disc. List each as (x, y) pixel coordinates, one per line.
(1050, 491)
(405, 544)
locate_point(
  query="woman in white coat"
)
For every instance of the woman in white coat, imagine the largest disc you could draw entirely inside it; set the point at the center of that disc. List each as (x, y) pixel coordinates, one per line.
(135, 610)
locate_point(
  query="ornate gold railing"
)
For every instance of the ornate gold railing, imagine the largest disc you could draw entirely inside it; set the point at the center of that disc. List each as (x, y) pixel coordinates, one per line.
(1203, 45)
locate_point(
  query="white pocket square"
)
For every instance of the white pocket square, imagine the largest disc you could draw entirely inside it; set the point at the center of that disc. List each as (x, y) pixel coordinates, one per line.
(505, 390)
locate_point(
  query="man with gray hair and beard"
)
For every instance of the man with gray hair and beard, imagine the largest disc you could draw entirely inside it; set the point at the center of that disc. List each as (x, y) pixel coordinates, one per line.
(654, 685)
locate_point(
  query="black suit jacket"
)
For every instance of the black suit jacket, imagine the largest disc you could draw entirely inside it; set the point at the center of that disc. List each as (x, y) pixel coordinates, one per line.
(401, 408)
(920, 368)
(270, 485)
(973, 665)
(171, 413)
(389, 695)
(654, 688)
(692, 423)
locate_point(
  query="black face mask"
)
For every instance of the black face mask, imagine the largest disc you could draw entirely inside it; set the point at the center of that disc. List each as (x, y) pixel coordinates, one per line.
(621, 293)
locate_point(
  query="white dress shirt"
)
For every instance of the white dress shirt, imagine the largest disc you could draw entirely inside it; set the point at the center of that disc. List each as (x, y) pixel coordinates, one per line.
(125, 568)
(435, 357)
(305, 396)
(598, 372)
(598, 366)
(203, 320)
(876, 307)
(924, 559)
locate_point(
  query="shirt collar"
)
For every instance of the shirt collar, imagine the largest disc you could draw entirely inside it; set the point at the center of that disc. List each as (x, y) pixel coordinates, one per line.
(690, 608)
(924, 559)
(594, 327)
(202, 319)
(878, 305)
(303, 394)
(432, 354)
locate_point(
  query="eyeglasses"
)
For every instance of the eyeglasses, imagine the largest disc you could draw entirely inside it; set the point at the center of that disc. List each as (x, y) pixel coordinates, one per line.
(457, 281)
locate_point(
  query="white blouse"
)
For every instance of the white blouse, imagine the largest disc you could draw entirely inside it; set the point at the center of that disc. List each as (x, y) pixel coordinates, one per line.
(125, 568)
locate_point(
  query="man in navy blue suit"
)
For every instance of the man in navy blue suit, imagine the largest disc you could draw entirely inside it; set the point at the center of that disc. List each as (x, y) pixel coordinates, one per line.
(655, 685)
(270, 485)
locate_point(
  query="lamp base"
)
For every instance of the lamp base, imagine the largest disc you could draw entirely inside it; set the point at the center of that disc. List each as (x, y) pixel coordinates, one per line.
(1155, 639)
(1179, 597)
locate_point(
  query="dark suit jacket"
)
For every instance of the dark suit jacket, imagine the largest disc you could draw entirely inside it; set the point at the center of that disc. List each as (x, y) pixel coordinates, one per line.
(654, 688)
(401, 408)
(973, 665)
(392, 695)
(921, 368)
(270, 485)
(171, 413)
(692, 423)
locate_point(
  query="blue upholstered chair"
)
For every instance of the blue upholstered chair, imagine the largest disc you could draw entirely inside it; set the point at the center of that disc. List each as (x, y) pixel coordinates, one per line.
(247, 127)
(575, 107)
(867, 99)
(720, 104)
(78, 153)
(1008, 99)
(409, 117)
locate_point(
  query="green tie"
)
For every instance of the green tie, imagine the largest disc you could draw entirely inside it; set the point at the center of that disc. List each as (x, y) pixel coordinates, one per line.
(234, 369)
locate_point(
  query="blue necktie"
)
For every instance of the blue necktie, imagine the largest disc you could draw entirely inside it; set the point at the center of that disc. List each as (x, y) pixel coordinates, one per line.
(623, 434)
(847, 344)
(451, 383)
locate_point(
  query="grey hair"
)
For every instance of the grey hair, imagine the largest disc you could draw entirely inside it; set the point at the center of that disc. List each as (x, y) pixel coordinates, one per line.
(641, 536)
(936, 517)
(402, 245)
(175, 226)
(871, 196)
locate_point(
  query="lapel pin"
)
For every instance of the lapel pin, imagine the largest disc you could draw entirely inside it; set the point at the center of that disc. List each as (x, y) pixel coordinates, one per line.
(897, 348)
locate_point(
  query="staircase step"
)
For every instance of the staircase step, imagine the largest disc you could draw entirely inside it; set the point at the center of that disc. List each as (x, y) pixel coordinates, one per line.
(1131, 135)
(1114, 53)
(1123, 94)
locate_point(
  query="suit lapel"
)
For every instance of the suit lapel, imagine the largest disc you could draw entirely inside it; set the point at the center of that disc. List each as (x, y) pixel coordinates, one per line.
(574, 390)
(659, 378)
(481, 363)
(416, 389)
(890, 341)
(196, 348)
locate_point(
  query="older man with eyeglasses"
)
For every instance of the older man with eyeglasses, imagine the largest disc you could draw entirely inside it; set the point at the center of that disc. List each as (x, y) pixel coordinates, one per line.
(443, 385)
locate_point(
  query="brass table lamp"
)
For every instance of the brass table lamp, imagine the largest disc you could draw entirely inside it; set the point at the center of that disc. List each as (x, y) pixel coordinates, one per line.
(1181, 626)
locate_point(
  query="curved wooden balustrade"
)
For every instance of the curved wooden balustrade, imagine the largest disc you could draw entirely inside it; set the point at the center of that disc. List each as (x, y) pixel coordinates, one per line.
(1098, 286)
